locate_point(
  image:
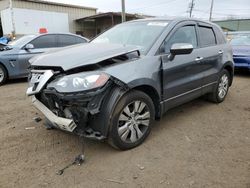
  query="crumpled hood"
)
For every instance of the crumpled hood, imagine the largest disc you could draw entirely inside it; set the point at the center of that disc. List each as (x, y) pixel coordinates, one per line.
(241, 50)
(81, 55)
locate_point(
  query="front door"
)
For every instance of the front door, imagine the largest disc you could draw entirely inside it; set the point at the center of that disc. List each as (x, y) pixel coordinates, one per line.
(182, 76)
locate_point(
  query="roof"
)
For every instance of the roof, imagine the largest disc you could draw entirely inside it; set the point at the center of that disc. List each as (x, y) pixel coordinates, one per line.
(176, 19)
(60, 4)
(100, 15)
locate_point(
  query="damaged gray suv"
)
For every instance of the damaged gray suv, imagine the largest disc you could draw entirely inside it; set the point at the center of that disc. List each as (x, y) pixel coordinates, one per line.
(116, 86)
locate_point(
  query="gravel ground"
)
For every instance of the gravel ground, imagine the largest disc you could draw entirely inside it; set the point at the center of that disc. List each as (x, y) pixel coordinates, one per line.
(199, 144)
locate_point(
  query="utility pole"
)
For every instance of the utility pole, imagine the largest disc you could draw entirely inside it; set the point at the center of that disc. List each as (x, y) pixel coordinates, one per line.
(211, 10)
(191, 7)
(123, 11)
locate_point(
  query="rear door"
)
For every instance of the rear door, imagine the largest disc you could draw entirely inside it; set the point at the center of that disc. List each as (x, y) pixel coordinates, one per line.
(41, 44)
(211, 54)
(182, 77)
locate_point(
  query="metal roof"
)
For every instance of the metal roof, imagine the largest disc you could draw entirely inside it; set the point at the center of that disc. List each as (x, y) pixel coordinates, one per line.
(60, 4)
(100, 15)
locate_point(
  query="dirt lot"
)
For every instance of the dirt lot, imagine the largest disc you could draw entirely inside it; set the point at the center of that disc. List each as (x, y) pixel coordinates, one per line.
(199, 144)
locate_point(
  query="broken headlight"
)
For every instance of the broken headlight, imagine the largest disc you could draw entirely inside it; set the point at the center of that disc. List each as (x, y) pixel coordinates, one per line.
(79, 82)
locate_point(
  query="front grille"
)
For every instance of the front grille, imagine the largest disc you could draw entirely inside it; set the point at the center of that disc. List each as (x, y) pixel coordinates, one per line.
(55, 69)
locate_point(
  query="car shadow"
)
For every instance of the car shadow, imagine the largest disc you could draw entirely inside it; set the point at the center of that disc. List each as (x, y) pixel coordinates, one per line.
(16, 81)
(242, 73)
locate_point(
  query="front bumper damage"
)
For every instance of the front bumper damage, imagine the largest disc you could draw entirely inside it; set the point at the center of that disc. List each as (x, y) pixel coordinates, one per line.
(79, 113)
(62, 123)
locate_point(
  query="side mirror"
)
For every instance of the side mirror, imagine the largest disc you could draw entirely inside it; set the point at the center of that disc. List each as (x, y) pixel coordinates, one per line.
(180, 49)
(29, 47)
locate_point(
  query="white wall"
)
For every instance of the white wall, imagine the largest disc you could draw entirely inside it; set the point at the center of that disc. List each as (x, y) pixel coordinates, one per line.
(29, 21)
(6, 21)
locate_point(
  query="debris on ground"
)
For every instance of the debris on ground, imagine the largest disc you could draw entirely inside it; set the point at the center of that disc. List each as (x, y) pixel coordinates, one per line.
(188, 139)
(29, 128)
(141, 167)
(78, 161)
(135, 176)
(162, 181)
(37, 119)
(115, 181)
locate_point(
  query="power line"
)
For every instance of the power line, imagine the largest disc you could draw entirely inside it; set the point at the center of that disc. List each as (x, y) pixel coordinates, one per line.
(153, 5)
(219, 13)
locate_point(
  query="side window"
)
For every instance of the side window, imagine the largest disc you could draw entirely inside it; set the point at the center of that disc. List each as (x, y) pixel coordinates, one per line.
(185, 34)
(80, 40)
(67, 40)
(46, 41)
(221, 39)
(207, 36)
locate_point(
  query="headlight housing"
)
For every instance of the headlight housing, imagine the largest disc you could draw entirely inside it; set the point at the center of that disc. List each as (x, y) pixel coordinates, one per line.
(79, 82)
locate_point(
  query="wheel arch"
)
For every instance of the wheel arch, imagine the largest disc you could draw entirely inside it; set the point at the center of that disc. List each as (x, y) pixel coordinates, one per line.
(101, 121)
(230, 68)
(153, 94)
(5, 69)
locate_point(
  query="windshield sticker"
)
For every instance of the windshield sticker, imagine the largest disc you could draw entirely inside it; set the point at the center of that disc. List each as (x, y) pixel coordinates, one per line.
(161, 24)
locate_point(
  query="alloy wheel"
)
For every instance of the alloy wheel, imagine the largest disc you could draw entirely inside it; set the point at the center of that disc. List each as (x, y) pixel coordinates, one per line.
(1, 74)
(133, 121)
(223, 86)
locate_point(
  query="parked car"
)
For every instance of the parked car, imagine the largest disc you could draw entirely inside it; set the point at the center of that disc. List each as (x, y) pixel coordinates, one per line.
(14, 56)
(240, 42)
(116, 86)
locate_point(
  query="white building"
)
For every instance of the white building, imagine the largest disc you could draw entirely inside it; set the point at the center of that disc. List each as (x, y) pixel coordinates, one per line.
(29, 16)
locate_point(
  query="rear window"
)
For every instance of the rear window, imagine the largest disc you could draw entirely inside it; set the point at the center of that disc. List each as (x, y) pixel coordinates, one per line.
(67, 40)
(207, 36)
(220, 36)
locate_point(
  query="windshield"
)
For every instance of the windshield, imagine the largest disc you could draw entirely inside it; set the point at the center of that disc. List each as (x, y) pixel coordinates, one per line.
(243, 39)
(141, 34)
(21, 41)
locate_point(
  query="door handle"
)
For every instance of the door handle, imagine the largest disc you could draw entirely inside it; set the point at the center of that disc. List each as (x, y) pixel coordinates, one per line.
(220, 52)
(198, 58)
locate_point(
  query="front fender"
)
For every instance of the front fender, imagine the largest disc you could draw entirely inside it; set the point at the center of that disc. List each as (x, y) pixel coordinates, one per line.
(154, 83)
(144, 71)
(101, 121)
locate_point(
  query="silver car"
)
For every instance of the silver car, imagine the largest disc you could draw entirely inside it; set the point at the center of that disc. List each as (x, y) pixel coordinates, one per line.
(14, 56)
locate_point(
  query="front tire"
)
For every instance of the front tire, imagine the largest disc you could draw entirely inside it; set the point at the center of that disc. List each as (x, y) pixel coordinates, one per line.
(131, 120)
(220, 92)
(3, 75)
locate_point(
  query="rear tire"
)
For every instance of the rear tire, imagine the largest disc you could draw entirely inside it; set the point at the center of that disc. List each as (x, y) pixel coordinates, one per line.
(220, 92)
(131, 120)
(3, 75)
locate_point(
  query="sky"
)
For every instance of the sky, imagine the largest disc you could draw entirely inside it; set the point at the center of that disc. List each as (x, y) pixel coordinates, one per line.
(222, 8)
